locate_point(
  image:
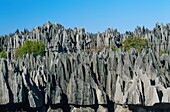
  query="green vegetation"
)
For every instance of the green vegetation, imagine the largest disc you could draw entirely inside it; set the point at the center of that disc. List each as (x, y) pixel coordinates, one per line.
(107, 47)
(3, 54)
(30, 47)
(136, 42)
(161, 52)
(115, 49)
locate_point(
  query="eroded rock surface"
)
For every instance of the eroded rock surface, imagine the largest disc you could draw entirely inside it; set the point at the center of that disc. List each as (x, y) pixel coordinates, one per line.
(81, 72)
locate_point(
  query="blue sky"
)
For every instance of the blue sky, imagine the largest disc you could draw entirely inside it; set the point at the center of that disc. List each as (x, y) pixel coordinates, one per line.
(93, 15)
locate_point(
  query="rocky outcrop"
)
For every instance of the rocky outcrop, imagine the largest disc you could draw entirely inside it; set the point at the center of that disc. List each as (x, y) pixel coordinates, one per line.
(83, 72)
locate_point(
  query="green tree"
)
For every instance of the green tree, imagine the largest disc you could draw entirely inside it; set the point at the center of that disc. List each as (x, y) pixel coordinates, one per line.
(3, 54)
(30, 47)
(38, 48)
(136, 42)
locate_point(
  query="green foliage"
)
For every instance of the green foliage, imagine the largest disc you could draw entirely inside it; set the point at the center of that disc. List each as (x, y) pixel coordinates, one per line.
(161, 52)
(30, 47)
(3, 54)
(136, 42)
(108, 47)
(115, 49)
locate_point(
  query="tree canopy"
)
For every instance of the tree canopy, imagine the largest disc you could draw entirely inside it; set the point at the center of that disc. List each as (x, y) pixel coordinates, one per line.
(136, 42)
(30, 47)
(3, 54)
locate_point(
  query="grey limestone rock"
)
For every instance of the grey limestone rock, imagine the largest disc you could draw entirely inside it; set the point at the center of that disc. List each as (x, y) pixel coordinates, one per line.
(83, 71)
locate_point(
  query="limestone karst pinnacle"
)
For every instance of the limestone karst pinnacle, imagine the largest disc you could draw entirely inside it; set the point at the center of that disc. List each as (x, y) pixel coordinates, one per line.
(80, 73)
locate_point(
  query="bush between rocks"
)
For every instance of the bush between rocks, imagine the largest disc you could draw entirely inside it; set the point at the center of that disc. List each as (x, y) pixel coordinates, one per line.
(30, 47)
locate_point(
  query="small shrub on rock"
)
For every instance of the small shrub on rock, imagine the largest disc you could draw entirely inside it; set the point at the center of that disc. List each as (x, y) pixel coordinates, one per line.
(30, 47)
(136, 42)
(3, 54)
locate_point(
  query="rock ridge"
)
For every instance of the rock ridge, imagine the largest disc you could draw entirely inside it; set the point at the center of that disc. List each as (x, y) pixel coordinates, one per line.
(81, 71)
